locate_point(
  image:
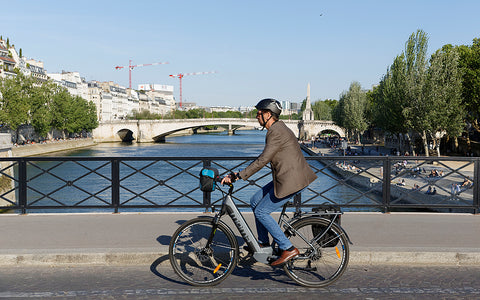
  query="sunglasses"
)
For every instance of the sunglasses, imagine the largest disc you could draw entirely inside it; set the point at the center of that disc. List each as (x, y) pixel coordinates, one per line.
(259, 113)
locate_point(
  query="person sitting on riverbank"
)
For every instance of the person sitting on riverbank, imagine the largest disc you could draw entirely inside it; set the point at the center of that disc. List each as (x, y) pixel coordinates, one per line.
(431, 191)
(467, 182)
(434, 173)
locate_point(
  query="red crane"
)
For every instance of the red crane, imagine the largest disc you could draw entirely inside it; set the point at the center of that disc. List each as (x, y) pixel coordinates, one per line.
(131, 67)
(180, 76)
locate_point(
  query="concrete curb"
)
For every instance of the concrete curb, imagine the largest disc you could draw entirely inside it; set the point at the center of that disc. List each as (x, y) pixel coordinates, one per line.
(161, 259)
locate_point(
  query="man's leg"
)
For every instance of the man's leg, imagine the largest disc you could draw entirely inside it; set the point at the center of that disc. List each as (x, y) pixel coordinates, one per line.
(254, 201)
(262, 208)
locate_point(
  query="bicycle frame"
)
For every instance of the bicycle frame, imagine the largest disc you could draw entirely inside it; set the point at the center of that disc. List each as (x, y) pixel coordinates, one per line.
(260, 254)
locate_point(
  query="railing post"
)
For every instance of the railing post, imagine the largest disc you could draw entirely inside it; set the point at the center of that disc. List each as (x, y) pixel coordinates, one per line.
(115, 184)
(207, 196)
(22, 185)
(386, 184)
(476, 189)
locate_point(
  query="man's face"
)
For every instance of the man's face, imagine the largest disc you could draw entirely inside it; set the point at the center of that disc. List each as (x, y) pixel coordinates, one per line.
(262, 116)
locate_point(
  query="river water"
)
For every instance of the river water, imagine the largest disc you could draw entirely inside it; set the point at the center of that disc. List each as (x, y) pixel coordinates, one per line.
(247, 143)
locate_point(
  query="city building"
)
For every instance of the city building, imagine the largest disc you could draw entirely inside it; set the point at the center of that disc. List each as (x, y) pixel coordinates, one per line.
(75, 85)
(37, 70)
(161, 97)
(7, 63)
(116, 99)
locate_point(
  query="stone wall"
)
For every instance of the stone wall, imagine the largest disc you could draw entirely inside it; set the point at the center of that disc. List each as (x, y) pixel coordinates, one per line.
(54, 146)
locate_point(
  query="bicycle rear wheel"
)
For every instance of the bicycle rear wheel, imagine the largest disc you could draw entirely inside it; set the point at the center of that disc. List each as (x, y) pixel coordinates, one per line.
(200, 265)
(321, 260)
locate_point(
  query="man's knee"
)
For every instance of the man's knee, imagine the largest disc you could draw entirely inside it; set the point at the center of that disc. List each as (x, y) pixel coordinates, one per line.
(261, 214)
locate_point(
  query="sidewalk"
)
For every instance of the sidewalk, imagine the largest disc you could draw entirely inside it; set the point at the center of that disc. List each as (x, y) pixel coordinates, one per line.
(143, 238)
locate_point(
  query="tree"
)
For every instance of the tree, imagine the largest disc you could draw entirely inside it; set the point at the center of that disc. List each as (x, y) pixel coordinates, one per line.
(322, 110)
(40, 115)
(338, 114)
(389, 100)
(351, 110)
(469, 63)
(15, 101)
(81, 115)
(416, 72)
(442, 92)
(61, 109)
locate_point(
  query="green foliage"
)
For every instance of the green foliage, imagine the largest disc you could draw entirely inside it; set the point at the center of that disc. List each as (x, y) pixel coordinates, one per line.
(293, 116)
(323, 109)
(389, 99)
(40, 107)
(469, 63)
(420, 96)
(416, 72)
(442, 92)
(196, 113)
(44, 105)
(144, 115)
(354, 104)
(15, 100)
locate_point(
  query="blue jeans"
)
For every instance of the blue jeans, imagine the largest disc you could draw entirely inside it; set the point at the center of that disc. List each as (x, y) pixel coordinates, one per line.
(263, 203)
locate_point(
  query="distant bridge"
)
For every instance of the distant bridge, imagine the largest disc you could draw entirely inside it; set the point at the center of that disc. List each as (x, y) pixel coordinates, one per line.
(144, 131)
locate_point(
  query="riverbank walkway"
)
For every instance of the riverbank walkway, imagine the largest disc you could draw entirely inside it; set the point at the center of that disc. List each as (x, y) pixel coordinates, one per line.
(143, 238)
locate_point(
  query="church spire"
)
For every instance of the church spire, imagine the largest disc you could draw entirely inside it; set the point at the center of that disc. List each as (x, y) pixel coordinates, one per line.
(308, 112)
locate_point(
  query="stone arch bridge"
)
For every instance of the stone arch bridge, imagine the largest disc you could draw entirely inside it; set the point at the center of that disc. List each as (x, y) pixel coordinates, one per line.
(144, 131)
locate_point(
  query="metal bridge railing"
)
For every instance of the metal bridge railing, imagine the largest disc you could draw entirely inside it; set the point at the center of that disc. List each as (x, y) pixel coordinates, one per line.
(357, 183)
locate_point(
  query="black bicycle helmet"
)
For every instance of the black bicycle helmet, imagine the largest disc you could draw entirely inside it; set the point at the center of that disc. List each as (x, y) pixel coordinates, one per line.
(270, 104)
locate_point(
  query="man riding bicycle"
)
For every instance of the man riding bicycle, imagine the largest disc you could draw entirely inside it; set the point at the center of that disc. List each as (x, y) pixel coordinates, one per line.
(291, 175)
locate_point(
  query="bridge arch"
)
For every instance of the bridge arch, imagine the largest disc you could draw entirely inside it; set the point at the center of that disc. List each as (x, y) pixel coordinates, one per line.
(126, 135)
(311, 129)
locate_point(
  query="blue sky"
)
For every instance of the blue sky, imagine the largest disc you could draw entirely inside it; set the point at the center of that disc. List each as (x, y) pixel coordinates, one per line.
(259, 49)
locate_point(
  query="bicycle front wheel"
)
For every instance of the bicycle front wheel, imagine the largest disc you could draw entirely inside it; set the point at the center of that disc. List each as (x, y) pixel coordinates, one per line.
(323, 257)
(197, 263)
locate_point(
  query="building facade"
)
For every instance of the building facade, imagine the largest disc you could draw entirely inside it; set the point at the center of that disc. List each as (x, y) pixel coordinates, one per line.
(7, 63)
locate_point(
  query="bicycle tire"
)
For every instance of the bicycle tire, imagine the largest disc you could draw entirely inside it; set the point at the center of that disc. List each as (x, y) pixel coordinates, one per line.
(194, 263)
(322, 265)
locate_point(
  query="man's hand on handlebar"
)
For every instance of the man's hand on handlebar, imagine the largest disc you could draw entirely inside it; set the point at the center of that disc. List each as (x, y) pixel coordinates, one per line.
(230, 178)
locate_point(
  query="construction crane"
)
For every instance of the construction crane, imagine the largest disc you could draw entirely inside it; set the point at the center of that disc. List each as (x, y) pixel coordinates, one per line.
(181, 75)
(131, 67)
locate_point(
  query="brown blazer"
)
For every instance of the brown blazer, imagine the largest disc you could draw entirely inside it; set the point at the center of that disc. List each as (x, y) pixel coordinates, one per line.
(290, 170)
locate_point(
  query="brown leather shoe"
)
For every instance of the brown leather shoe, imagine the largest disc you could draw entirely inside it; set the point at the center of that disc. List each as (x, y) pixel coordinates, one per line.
(286, 256)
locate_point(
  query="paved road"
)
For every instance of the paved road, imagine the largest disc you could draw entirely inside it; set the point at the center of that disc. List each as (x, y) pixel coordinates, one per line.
(141, 238)
(158, 282)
